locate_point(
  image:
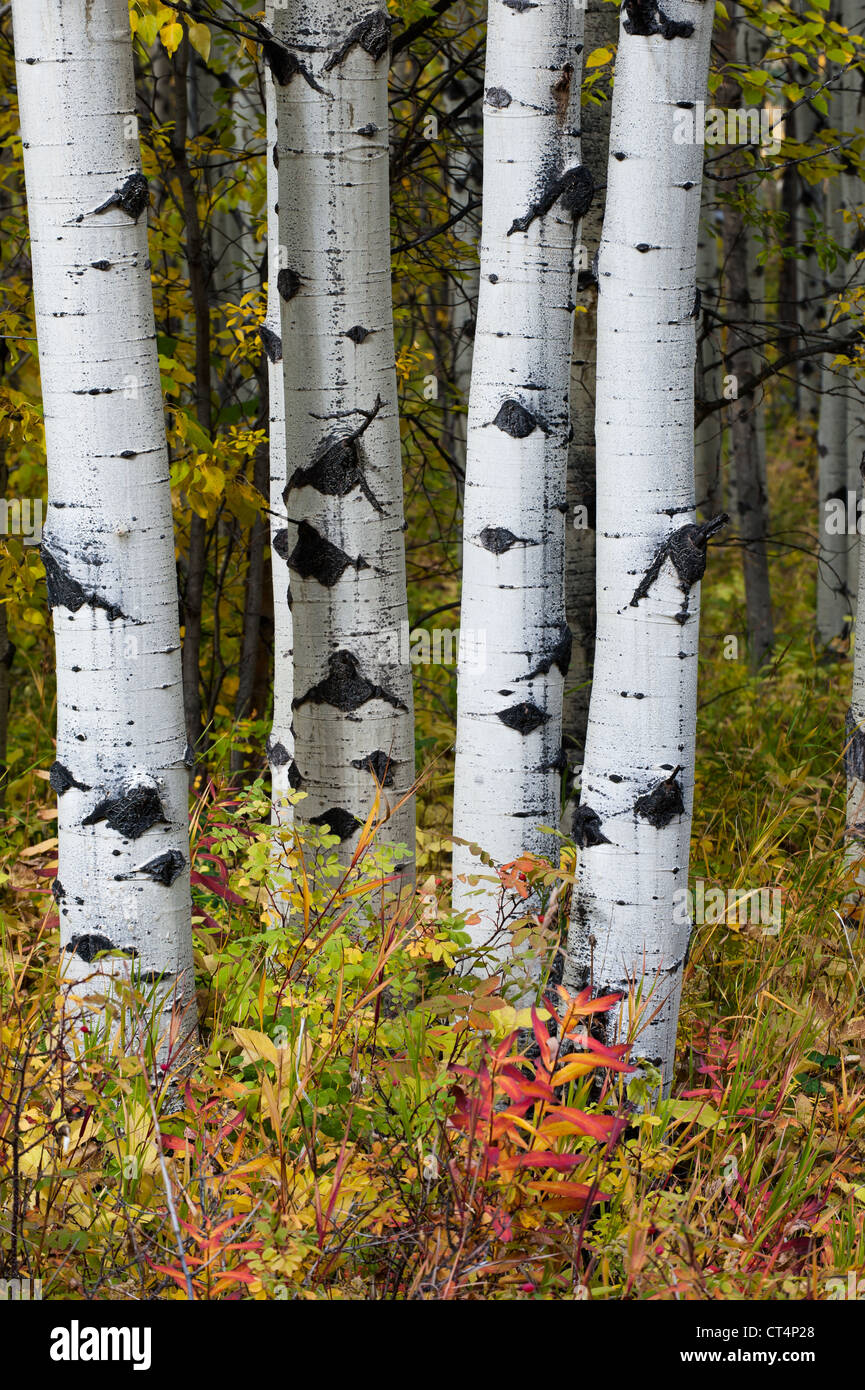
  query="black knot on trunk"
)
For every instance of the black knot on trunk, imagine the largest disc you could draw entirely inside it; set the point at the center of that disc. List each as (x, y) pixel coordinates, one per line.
(645, 18)
(358, 333)
(524, 718)
(663, 803)
(498, 97)
(515, 420)
(271, 342)
(66, 592)
(339, 822)
(132, 198)
(686, 548)
(575, 187)
(379, 764)
(345, 687)
(164, 869)
(372, 34)
(61, 780)
(854, 748)
(498, 539)
(558, 655)
(314, 557)
(339, 463)
(285, 65)
(132, 814)
(288, 283)
(89, 946)
(587, 828)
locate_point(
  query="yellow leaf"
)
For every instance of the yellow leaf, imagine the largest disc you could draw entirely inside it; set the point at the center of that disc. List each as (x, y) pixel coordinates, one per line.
(172, 37)
(199, 37)
(256, 1046)
(599, 57)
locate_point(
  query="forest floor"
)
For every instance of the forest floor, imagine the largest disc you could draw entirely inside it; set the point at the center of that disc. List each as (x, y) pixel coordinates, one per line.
(362, 1122)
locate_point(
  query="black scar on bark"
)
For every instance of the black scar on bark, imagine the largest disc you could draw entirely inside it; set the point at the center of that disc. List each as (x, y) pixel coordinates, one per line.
(379, 764)
(663, 803)
(524, 718)
(164, 869)
(58, 892)
(89, 946)
(575, 187)
(66, 592)
(367, 130)
(278, 755)
(645, 18)
(515, 420)
(189, 757)
(271, 342)
(288, 283)
(358, 333)
(131, 814)
(132, 198)
(339, 822)
(520, 5)
(285, 65)
(371, 34)
(315, 557)
(686, 548)
(698, 301)
(854, 749)
(498, 97)
(61, 780)
(280, 544)
(587, 828)
(345, 688)
(499, 539)
(338, 465)
(101, 265)
(559, 655)
(559, 763)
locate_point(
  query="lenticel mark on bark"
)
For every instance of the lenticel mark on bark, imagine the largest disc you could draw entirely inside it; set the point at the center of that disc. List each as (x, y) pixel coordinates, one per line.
(131, 814)
(345, 687)
(314, 557)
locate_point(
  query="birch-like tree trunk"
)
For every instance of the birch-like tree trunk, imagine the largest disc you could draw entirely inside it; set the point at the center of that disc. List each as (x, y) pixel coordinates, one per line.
(108, 547)
(509, 718)
(833, 604)
(709, 434)
(280, 745)
(343, 538)
(601, 25)
(630, 921)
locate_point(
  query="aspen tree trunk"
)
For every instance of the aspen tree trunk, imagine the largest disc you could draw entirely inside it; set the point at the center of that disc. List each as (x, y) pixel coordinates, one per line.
(750, 517)
(509, 713)
(280, 745)
(108, 545)
(343, 538)
(854, 745)
(629, 922)
(710, 432)
(464, 187)
(601, 27)
(833, 605)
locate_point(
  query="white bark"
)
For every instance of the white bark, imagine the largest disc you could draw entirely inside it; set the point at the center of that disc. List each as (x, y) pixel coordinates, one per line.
(601, 27)
(509, 719)
(343, 541)
(634, 820)
(833, 606)
(108, 546)
(710, 432)
(280, 746)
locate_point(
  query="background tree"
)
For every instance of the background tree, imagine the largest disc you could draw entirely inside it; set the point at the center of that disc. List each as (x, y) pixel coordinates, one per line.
(509, 730)
(122, 885)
